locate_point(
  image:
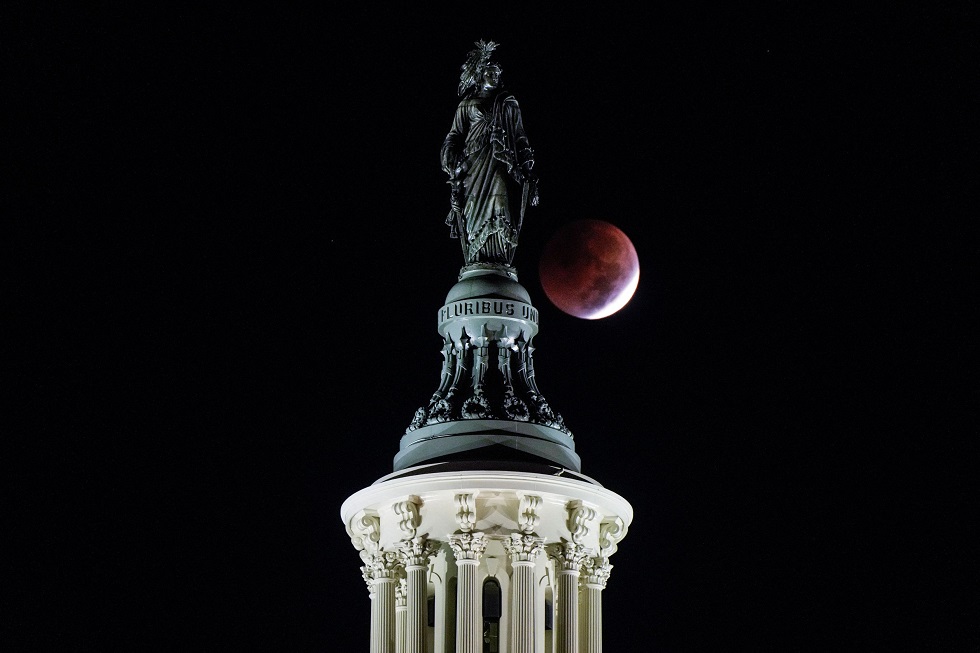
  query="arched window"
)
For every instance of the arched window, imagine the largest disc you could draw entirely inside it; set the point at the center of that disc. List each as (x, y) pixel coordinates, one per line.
(491, 616)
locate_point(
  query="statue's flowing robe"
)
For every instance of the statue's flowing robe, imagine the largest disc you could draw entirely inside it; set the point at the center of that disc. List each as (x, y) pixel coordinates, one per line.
(488, 137)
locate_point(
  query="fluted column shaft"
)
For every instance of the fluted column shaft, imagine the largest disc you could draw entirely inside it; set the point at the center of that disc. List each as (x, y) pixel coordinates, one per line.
(568, 611)
(523, 550)
(381, 575)
(593, 619)
(415, 609)
(415, 553)
(383, 616)
(468, 548)
(401, 608)
(468, 623)
(595, 574)
(522, 610)
(568, 563)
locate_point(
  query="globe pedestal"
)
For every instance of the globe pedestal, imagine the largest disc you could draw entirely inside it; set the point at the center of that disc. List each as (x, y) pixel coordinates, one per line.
(488, 404)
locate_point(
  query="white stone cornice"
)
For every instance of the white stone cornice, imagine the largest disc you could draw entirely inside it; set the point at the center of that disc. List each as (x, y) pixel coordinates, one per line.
(385, 491)
(468, 546)
(505, 503)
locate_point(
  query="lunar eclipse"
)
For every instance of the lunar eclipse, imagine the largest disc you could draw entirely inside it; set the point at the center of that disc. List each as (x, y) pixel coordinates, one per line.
(589, 269)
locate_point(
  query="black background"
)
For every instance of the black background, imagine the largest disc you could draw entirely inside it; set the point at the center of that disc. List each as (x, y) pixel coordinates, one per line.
(227, 248)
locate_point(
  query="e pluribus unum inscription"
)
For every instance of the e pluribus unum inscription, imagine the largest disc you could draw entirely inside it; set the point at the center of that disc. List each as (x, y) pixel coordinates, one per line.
(488, 307)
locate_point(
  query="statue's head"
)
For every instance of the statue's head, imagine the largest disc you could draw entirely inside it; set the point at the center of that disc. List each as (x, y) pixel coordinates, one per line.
(491, 75)
(479, 72)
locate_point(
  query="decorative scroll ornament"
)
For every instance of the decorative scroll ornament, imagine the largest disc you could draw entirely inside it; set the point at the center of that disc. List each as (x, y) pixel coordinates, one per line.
(466, 512)
(595, 571)
(579, 516)
(408, 515)
(364, 529)
(611, 532)
(468, 546)
(569, 556)
(523, 548)
(527, 513)
(415, 552)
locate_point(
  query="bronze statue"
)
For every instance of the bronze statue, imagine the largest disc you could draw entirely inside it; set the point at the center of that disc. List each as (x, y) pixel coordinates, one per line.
(488, 159)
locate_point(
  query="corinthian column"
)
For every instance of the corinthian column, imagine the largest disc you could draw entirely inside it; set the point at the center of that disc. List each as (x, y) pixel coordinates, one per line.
(468, 547)
(415, 555)
(380, 575)
(595, 573)
(568, 563)
(401, 607)
(523, 550)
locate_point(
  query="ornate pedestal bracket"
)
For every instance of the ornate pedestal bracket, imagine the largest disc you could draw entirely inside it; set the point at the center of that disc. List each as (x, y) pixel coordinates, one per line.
(466, 511)
(579, 518)
(407, 512)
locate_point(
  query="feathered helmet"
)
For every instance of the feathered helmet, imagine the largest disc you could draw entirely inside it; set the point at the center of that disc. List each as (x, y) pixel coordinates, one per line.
(477, 61)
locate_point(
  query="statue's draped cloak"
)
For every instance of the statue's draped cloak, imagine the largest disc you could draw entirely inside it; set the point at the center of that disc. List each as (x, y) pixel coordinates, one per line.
(488, 136)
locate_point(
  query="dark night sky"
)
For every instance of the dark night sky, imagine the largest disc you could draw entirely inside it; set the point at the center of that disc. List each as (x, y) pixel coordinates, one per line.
(230, 252)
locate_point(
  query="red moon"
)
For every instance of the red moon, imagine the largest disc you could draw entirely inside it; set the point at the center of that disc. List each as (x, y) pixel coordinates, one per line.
(589, 269)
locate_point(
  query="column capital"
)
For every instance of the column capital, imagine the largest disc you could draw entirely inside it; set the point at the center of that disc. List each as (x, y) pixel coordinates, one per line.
(468, 546)
(523, 548)
(416, 551)
(595, 571)
(368, 579)
(401, 593)
(384, 565)
(569, 556)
